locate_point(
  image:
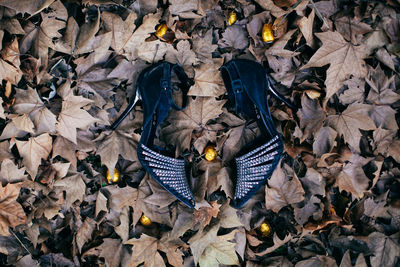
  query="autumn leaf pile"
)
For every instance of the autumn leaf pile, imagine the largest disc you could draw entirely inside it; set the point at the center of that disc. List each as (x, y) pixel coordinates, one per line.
(68, 69)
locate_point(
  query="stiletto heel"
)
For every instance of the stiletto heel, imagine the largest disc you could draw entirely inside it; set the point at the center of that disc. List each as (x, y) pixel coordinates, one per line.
(126, 111)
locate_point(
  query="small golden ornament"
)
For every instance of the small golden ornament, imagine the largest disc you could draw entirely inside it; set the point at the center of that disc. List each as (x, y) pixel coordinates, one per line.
(144, 220)
(161, 30)
(210, 153)
(267, 33)
(115, 179)
(232, 18)
(313, 94)
(265, 229)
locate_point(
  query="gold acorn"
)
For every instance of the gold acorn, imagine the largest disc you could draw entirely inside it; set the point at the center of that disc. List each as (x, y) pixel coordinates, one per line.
(115, 179)
(267, 33)
(144, 220)
(161, 30)
(265, 229)
(232, 18)
(210, 153)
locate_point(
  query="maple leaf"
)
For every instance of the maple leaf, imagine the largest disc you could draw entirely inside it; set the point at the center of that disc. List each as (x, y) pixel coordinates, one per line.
(194, 118)
(33, 150)
(74, 186)
(201, 240)
(353, 179)
(384, 249)
(220, 252)
(380, 92)
(10, 173)
(207, 80)
(278, 48)
(355, 91)
(121, 29)
(145, 250)
(324, 141)
(112, 256)
(234, 37)
(84, 233)
(345, 59)
(10, 53)
(9, 72)
(183, 56)
(11, 212)
(282, 190)
(72, 116)
(205, 214)
(114, 144)
(350, 121)
(137, 45)
(28, 102)
(203, 47)
(311, 117)
(31, 7)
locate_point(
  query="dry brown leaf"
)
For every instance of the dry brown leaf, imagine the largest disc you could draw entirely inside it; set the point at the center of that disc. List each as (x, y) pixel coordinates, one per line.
(282, 190)
(74, 186)
(9, 72)
(207, 80)
(278, 48)
(145, 250)
(306, 28)
(324, 141)
(345, 59)
(10, 173)
(28, 6)
(194, 118)
(114, 144)
(11, 212)
(220, 252)
(28, 102)
(205, 214)
(349, 123)
(311, 117)
(112, 256)
(11, 53)
(84, 233)
(122, 29)
(33, 150)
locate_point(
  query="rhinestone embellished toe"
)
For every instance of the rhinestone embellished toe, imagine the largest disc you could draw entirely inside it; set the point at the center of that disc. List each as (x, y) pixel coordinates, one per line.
(168, 172)
(255, 167)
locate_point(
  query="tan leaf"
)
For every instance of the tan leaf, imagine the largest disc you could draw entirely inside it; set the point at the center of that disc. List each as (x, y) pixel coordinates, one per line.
(345, 59)
(33, 150)
(28, 102)
(277, 244)
(121, 30)
(23, 123)
(114, 144)
(194, 118)
(72, 117)
(324, 141)
(208, 81)
(10, 173)
(2, 115)
(28, 6)
(84, 233)
(101, 203)
(145, 250)
(282, 190)
(278, 48)
(306, 28)
(349, 123)
(384, 249)
(9, 72)
(219, 252)
(112, 256)
(74, 186)
(353, 179)
(173, 252)
(351, 27)
(11, 212)
(182, 55)
(204, 214)
(66, 149)
(355, 91)
(203, 47)
(201, 240)
(318, 261)
(311, 116)
(11, 53)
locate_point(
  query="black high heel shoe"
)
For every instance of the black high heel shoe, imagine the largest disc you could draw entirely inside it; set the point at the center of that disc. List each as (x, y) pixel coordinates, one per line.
(248, 85)
(155, 89)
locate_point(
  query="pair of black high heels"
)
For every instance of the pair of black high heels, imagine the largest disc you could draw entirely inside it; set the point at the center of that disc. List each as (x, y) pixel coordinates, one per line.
(247, 85)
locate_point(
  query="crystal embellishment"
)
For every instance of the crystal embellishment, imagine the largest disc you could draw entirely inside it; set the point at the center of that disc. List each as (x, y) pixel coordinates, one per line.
(168, 172)
(255, 167)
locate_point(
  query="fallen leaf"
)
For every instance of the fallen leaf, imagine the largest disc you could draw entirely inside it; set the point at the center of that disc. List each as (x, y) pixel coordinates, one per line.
(282, 190)
(84, 233)
(117, 143)
(194, 118)
(30, 7)
(10, 173)
(182, 55)
(112, 256)
(311, 117)
(234, 37)
(74, 187)
(324, 141)
(220, 252)
(355, 91)
(11, 212)
(306, 28)
(345, 59)
(349, 123)
(145, 251)
(384, 249)
(33, 150)
(207, 80)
